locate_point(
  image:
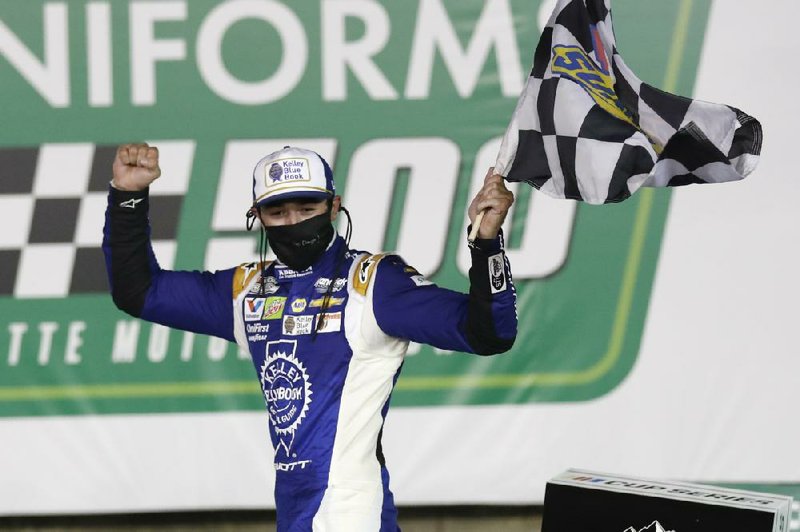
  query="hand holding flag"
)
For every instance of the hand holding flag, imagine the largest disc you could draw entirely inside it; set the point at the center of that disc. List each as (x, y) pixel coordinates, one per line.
(489, 207)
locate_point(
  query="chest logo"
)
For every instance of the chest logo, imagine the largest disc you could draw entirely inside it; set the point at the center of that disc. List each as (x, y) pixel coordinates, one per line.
(323, 283)
(287, 391)
(299, 304)
(332, 302)
(329, 322)
(253, 308)
(297, 325)
(274, 307)
(270, 286)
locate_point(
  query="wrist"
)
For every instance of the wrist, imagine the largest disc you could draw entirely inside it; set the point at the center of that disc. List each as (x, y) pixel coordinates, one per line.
(128, 199)
(117, 186)
(487, 234)
(487, 244)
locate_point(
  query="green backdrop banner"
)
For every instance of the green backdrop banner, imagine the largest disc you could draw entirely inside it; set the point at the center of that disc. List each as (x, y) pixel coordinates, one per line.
(407, 99)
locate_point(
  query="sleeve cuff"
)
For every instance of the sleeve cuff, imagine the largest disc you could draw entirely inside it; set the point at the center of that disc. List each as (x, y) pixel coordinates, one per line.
(488, 246)
(128, 200)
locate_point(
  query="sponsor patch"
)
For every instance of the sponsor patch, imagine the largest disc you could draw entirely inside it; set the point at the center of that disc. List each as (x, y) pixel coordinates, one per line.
(329, 322)
(253, 308)
(497, 273)
(274, 307)
(297, 325)
(420, 280)
(299, 304)
(332, 302)
(285, 273)
(270, 286)
(257, 328)
(322, 284)
(257, 332)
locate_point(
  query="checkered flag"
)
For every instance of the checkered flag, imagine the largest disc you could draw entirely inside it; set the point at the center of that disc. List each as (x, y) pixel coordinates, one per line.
(586, 128)
(52, 204)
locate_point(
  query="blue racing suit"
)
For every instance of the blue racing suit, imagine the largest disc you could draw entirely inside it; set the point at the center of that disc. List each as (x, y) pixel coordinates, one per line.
(327, 369)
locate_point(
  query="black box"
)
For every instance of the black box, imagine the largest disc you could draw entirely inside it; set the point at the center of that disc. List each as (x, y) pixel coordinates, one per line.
(582, 501)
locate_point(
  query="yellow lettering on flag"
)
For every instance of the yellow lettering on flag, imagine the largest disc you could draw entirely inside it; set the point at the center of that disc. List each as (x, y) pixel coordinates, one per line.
(574, 63)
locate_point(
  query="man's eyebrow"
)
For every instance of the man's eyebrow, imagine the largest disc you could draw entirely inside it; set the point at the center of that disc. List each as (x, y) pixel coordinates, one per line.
(300, 201)
(309, 201)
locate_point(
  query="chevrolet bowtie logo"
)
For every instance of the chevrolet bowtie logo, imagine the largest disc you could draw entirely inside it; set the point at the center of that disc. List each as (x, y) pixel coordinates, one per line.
(131, 203)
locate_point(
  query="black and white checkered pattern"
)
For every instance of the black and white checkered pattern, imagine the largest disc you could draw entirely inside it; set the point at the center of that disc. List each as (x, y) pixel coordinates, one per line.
(587, 128)
(52, 210)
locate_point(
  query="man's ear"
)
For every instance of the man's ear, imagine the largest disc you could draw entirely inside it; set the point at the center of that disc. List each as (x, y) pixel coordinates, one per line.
(335, 205)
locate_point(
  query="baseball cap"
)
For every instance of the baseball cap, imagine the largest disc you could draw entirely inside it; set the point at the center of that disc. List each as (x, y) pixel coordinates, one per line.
(292, 173)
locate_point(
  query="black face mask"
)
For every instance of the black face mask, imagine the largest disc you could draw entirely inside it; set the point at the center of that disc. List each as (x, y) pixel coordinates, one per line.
(299, 245)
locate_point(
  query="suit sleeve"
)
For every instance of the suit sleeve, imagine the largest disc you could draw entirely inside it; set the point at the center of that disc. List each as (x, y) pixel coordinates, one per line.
(200, 302)
(484, 321)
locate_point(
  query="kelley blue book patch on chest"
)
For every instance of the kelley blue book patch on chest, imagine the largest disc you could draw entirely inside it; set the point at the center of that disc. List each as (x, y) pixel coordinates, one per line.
(298, 325)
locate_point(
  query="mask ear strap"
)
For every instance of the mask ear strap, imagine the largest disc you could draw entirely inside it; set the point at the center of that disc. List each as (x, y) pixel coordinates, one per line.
(262, 257)
(349, 231)
(250, 217)
(326, 299)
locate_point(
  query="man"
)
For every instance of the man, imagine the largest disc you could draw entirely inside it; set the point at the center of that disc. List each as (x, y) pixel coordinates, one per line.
(327, 327)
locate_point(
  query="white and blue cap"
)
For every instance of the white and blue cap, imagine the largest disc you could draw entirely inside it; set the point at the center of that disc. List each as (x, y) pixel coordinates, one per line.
(292, 173)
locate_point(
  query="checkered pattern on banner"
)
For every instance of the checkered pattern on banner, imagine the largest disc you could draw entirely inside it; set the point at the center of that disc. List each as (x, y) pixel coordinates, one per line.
(587, 128)
(52, 210)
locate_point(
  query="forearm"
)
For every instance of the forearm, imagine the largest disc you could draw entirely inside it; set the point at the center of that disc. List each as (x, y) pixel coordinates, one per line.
(491, 323)
(130, 262)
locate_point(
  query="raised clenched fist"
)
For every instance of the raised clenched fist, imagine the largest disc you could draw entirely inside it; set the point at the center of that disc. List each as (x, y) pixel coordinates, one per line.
(135, 167)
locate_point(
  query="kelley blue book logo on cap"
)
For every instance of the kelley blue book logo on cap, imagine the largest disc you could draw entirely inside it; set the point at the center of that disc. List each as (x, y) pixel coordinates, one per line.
(292, 173)
(288, 170)
(275, 172)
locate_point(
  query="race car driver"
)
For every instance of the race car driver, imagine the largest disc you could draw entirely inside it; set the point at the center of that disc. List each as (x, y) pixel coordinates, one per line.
(327, 327)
